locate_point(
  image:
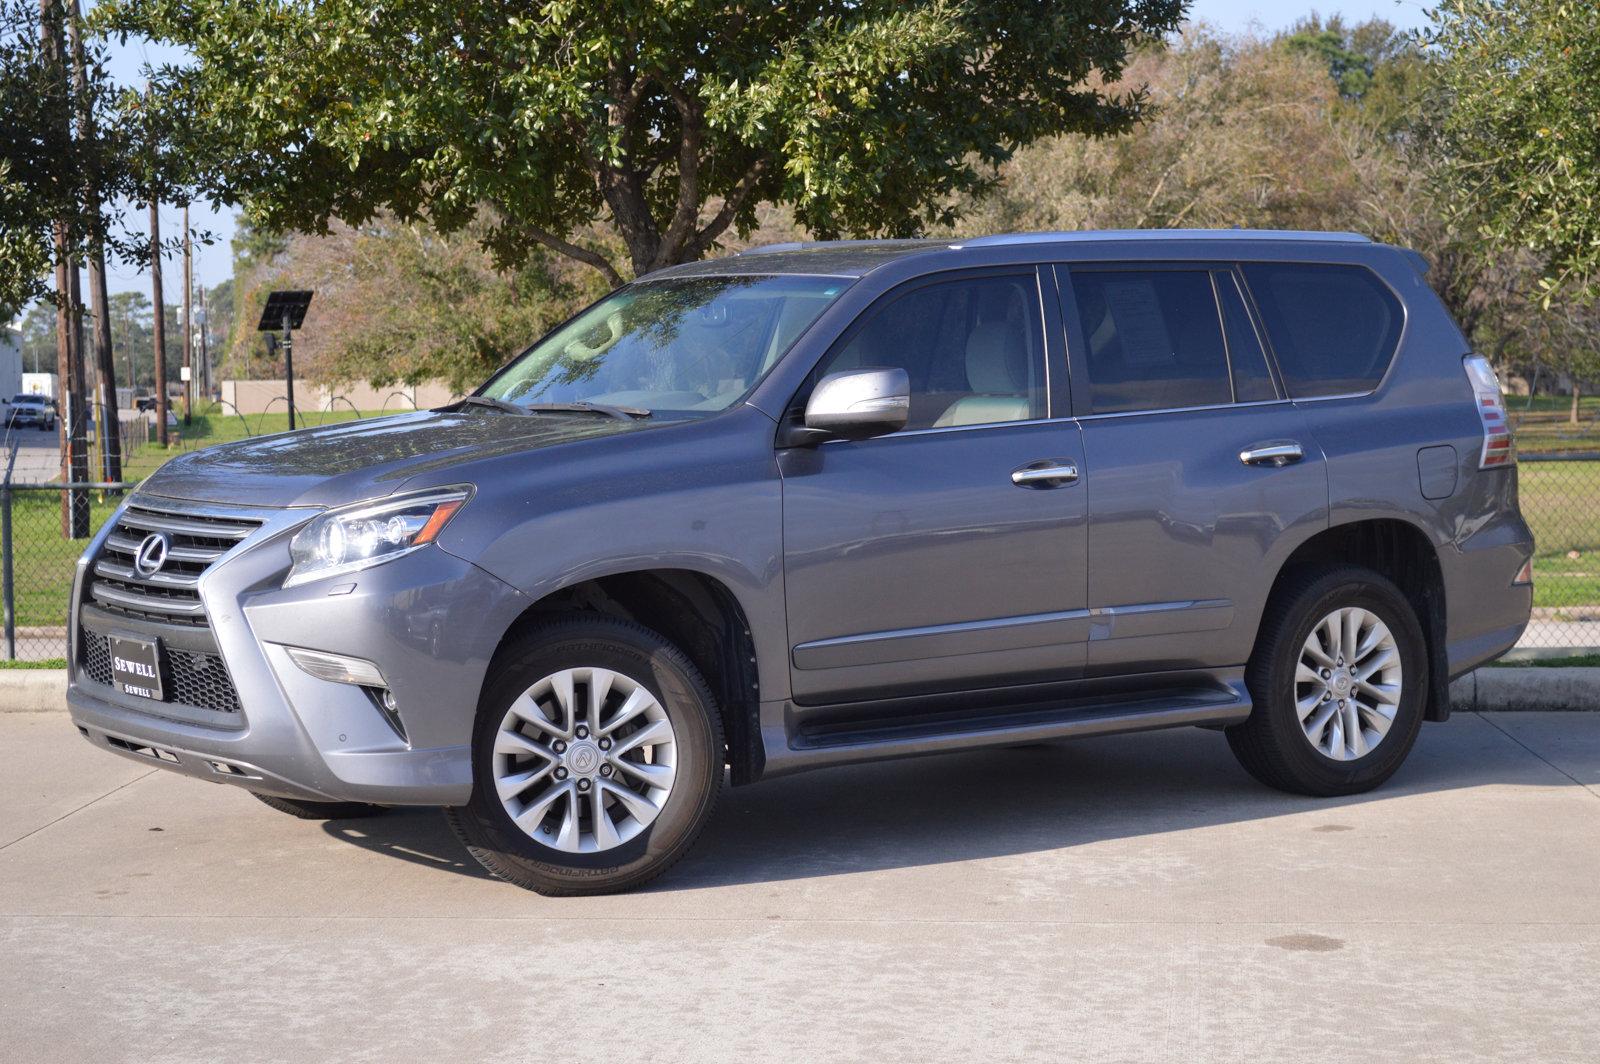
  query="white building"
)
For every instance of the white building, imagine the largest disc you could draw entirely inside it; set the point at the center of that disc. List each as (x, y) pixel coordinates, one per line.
(10, 360)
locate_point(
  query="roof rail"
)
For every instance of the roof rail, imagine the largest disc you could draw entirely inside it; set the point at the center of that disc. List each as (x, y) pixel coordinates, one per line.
(1003, 239)
(801, 245)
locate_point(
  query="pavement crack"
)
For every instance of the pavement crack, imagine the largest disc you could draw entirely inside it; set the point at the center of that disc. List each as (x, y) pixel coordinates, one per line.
(79, 809)
(1592, 792)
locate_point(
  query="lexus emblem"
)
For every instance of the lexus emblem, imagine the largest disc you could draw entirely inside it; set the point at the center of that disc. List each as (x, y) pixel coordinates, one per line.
(152, 554)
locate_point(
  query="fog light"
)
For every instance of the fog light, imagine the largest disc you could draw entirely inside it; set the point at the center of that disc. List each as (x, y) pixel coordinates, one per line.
(337, 667)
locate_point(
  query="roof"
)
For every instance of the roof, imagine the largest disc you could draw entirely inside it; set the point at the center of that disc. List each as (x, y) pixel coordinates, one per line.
(852, 258)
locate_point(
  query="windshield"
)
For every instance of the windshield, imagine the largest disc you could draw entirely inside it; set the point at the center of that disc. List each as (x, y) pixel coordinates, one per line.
(677, 348)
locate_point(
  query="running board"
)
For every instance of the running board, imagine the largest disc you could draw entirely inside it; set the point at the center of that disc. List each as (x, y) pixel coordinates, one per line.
(795, 749)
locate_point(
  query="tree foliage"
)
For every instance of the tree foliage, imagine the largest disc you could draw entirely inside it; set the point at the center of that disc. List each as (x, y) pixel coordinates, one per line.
(56, 146)
(400, 303)
(670, 121)
(1518, 106)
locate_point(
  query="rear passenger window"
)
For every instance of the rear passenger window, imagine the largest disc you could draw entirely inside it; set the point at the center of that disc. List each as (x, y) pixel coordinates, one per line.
(1334, 329)
(1152, 340)
(973, 349)
(1252, 381)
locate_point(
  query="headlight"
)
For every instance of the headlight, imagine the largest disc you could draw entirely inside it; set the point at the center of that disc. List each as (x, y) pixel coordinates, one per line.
(343, 541)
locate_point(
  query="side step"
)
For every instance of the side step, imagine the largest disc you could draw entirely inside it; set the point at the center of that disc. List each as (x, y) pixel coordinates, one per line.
(792, 747)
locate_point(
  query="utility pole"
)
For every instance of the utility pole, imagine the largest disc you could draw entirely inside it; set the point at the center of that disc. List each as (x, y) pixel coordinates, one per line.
(158, 336)
(104, 360)
(188, 320)
(69, 352)
(203, 371)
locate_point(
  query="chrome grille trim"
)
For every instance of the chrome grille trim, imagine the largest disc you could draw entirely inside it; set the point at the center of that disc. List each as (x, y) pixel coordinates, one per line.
(198, 538)
(161, 579)
(204, 555)
(184, 526)
(107, 595)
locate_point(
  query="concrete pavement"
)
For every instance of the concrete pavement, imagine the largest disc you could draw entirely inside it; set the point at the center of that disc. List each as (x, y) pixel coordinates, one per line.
(1128, 898)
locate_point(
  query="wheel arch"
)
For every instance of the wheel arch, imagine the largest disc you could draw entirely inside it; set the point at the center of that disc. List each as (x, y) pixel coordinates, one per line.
(698, 613)
(1402, 552)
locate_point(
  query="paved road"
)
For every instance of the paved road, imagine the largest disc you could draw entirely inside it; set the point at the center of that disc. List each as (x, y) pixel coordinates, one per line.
(1129, 898)
(38, 454)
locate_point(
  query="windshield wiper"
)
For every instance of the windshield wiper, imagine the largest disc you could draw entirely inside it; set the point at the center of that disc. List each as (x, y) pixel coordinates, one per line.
(490, 404)
(621, 413)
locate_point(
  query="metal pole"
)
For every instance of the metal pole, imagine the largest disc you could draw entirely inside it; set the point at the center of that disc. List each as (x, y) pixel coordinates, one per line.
(188, 316)
(7, 588)
(288, 366)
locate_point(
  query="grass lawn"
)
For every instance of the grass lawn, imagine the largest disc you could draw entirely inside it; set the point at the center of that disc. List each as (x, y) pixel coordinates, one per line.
(1561, 501)
(1543, 425)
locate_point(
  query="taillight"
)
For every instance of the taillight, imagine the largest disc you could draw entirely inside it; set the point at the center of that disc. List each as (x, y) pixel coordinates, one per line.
(1498, 448)
(1525, 574)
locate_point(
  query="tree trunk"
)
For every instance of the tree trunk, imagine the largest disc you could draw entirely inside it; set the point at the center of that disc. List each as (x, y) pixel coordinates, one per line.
(104, 360)
(158, 334)
(69, 352)
(1577, 394)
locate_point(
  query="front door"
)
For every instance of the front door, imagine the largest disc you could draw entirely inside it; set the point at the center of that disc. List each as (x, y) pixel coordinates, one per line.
(1201, 478)
(930, 559)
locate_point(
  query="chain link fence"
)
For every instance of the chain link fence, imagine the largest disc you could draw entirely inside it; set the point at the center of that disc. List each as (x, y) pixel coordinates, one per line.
(1560, 494)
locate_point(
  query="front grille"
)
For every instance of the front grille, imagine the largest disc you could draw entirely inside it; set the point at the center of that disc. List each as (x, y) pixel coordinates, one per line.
(170, 594)
(193, 678)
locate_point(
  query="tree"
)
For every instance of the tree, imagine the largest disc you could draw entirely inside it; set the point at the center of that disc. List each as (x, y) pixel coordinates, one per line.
(399, 303)
(1518, 105)
(670, 121)
(1243, 134)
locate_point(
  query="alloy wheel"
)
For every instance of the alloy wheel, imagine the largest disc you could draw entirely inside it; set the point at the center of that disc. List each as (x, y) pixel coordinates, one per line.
(584, 760)
(1347, 683)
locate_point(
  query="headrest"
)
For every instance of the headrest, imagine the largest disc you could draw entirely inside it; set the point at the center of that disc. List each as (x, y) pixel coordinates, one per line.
(997, 359)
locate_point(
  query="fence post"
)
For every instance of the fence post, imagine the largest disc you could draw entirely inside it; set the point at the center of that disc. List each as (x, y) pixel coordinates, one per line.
(7, 570)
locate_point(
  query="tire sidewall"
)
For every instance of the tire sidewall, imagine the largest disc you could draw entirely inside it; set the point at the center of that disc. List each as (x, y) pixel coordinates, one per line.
(645, 658)
(1381, 598)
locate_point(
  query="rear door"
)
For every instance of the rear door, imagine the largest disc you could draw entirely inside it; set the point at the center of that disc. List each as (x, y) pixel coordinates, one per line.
(1201, 477)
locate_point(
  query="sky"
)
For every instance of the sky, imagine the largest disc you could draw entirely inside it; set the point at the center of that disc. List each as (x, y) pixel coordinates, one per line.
(213, 264)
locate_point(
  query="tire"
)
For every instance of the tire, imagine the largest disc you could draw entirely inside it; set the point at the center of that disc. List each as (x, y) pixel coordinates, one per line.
(320, 810)
(567, 844)
(1273, 745)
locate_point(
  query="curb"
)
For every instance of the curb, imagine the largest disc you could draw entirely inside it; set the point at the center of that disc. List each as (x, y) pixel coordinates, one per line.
(1510, 688)
(1482, 690)
(33, 690)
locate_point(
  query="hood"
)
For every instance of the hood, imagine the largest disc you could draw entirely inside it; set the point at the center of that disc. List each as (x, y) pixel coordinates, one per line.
(356, 460)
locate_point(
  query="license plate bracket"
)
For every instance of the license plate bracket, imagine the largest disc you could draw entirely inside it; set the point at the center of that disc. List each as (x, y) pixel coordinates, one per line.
(136, 667)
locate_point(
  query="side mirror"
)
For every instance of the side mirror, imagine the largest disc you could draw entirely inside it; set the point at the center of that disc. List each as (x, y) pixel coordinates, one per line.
(855, 405)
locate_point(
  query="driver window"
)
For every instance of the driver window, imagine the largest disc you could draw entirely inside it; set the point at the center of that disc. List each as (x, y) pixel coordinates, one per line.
(973, 349)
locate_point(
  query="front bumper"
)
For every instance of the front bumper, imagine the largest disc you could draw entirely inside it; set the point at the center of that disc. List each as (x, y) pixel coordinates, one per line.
(429, 620)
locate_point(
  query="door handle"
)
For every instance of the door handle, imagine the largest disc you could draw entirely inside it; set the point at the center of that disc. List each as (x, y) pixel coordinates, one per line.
(1050, 473)
(1276, 453)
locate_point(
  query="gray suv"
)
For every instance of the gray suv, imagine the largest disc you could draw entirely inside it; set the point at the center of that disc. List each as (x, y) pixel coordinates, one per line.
(820, 504)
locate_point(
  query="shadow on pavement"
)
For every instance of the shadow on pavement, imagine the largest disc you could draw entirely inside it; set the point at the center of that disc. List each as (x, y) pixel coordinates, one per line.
(417, 835)
(982, 804)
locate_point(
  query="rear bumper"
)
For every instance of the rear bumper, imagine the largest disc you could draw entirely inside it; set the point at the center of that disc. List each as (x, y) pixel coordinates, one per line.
(430, 622)
(1487, 613)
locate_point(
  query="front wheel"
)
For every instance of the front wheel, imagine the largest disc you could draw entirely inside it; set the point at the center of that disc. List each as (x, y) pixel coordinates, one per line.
(597, 757)
(1339, 678)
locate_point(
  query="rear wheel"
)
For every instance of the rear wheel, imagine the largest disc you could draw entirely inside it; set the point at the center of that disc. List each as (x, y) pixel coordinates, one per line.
(597, 758)
(320, 810)
(1339, 679)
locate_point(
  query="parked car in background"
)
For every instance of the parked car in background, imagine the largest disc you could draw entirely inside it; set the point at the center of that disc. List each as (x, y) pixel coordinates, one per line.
(823, 504)
(31, 409)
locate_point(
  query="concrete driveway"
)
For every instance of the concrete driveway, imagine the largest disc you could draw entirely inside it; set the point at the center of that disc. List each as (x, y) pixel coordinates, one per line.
(1131, 898)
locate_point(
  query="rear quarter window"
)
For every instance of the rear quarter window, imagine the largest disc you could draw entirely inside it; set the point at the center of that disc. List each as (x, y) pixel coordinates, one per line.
(1333, 328)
